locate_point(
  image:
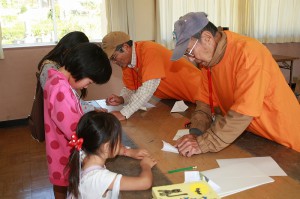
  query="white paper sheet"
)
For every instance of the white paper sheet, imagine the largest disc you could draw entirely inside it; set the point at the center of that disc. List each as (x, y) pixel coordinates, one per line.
(169, 148)
(191, 176)
(102, 104)
(236, 178)
(179, 106)
(180, 133)
(265, 164)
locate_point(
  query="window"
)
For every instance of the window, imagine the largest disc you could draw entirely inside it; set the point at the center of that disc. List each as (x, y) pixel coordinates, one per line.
(33, 22)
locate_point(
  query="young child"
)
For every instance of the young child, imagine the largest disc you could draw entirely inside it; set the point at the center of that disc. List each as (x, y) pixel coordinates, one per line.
(82, 65)
(99, 138)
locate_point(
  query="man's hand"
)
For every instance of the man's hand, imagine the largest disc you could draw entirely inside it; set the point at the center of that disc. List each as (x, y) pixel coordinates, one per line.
(114, 100)
(187, 145)
(119, 115)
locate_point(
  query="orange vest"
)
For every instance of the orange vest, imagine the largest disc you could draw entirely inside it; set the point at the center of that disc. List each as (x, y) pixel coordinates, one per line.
(248, 81)
(180, 80)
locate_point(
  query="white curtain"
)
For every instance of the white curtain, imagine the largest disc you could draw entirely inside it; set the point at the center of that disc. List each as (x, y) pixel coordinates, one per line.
(220, 12)
(120, 16)
(1, 50)
(273, 21)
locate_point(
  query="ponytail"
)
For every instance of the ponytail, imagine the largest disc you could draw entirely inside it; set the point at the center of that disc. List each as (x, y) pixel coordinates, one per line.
(74, 172)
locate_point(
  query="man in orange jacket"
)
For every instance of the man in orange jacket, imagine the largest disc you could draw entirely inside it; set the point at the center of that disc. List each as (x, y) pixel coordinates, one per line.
(245, 83)
(147, 71)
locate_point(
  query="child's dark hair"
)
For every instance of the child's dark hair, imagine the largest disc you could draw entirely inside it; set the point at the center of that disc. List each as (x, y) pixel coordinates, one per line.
(62, 47)
(96, 128)
(88, 60)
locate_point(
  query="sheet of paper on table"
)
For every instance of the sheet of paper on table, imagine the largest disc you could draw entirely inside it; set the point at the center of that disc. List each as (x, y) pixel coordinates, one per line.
(237, 178)
(179, 106)
(265, 164)
(102, 104)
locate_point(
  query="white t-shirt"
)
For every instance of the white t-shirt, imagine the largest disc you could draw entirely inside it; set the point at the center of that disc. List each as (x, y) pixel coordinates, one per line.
(95, 181)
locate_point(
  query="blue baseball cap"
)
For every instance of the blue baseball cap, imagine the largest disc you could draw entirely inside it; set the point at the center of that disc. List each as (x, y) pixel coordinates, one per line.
(184, 28)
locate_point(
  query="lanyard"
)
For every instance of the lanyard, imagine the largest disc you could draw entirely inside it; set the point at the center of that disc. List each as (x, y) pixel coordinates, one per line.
(135, 82)
(210, 94)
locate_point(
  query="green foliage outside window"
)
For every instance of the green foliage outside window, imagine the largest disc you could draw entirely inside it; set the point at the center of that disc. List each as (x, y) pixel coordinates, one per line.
(31, 21)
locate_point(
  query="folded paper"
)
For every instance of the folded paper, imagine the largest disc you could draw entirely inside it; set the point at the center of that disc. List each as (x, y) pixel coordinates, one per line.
(169, 148)
(179, 106)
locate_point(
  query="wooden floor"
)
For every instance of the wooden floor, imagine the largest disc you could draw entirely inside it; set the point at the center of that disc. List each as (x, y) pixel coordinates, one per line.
(23, 168)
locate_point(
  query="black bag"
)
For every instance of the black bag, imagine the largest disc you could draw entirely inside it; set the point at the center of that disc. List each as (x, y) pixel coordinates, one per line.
(36, 117)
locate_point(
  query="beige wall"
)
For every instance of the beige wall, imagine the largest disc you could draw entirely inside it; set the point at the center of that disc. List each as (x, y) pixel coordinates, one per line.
(17, 79)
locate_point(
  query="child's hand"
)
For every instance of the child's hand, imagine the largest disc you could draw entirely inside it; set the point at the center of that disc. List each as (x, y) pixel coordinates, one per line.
(138, 153)
(148, 161)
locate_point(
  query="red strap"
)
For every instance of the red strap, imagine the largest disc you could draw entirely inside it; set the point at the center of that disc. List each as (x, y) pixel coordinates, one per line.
(210, 94)
(136, 83)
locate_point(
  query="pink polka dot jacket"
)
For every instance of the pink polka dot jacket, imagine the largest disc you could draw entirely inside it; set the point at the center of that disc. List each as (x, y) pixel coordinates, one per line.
(62, 112)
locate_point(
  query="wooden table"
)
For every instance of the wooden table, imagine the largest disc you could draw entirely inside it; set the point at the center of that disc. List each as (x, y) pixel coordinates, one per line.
(286, 62)
(148, 129)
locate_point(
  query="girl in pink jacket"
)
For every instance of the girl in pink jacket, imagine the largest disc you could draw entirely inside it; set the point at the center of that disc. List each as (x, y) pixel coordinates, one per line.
(82, 65)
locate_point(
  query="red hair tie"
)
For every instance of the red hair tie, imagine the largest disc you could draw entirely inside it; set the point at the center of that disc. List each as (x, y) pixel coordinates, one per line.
(75, 142)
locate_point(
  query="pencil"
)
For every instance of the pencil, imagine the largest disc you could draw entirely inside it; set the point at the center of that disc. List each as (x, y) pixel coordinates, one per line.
(182, 169)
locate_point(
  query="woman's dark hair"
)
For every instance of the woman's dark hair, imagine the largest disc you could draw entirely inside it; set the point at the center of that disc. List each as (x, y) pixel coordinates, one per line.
(88, 60)
(96, 128)
(67, 42)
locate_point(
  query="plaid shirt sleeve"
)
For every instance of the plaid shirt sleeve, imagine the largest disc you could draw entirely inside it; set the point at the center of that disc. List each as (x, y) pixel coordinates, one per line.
(126, 94)
(137, 99)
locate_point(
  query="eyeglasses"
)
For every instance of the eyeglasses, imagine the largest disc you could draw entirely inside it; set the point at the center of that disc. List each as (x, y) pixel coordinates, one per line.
(189, 54)
(115, 55)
